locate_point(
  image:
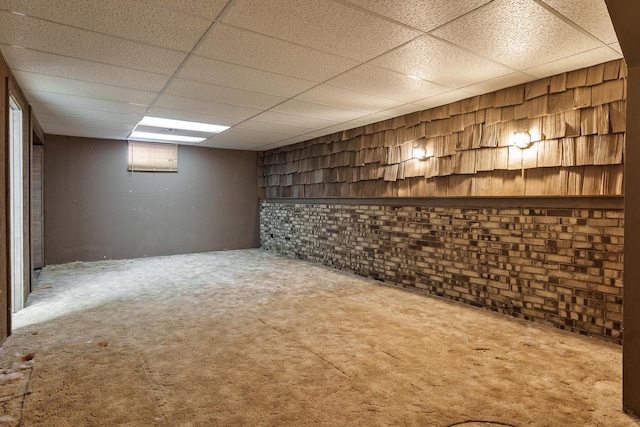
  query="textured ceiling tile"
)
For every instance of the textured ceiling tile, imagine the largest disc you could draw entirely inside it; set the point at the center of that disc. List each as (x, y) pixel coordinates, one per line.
(388, 84)
(67, 86)
(325, 25)
(76, 43)
(83, 131)
(208, 9)
(586, 59)
(366, 120)
(83, 113)
(492, 85)
(591, 15)
(212, 108)
(130, 19)
(193, 116)
(424, 15)
(310, 109)
(518, 33)
(292, 120)
(236, 76)
(259, 134)
(255, 50)
(40, 97)
(616, 46)
(56, 65)
(222, 94)
(274, 127)
(440, 62)
(442, 99)
(401, 110)
(84, 122)
(348, 99)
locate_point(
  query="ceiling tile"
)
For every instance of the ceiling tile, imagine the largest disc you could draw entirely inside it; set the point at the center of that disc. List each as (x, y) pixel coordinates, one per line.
(492, 85)
(130, 19)
(62, 85)
(83, 131)
(259, 134)
(255, 50)
(518, 33)
(291, 120)
(324, 25)
(424, 15)
(442, 99)
(236, 76)
(290, 130)
(193, 116)
(366, 120)
(83, 113)
(56, 65)
(440, 62)
(581, 60)
(40, 97)
(208, 9)
(44, 119)
(348, 99)
(212, 108)
(222, 94)
(592, 16)
(310, 109)
(216, 142)
(401, 110)
(616, 46)
(60, 39)
(388, 84)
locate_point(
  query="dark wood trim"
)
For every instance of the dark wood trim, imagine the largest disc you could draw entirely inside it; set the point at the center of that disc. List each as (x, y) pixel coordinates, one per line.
(567, 202)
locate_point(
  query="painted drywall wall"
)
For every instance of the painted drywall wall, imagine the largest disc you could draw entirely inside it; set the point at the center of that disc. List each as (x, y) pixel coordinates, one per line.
(97, 209)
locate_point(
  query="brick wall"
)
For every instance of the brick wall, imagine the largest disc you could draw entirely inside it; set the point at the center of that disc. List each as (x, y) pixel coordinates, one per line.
(557, 266)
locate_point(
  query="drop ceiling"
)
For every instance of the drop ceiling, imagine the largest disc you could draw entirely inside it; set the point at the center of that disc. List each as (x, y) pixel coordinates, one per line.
(283, 71)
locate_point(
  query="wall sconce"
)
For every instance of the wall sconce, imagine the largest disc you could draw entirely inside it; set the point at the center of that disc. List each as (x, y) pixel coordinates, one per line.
(419, 152)
(522, 139)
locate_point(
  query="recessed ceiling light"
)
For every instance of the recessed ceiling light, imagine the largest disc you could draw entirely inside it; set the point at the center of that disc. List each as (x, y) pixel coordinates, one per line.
(181, 124)
(164, 137)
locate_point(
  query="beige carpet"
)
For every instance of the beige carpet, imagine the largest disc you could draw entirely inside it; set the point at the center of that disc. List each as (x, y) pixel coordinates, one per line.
(249, 338)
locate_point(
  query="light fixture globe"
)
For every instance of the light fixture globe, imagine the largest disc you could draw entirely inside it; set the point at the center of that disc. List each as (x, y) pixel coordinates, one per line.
(522, 139)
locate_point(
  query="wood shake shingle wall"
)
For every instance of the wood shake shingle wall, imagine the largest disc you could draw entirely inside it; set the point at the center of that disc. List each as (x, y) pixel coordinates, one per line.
(479, 220)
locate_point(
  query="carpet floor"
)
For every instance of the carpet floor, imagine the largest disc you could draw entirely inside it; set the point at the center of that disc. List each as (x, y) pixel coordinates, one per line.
(251, 338)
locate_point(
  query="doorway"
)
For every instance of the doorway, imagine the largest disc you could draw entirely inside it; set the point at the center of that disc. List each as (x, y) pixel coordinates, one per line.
(16, 219)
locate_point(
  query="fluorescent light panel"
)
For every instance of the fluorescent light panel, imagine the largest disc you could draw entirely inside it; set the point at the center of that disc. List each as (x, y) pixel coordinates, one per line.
(165, 137)
(181, 124)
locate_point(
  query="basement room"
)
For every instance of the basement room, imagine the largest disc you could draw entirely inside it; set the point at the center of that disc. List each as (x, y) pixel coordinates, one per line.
(320, 212)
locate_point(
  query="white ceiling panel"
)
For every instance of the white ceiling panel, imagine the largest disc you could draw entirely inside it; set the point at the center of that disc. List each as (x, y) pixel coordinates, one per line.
(385, 83)
(83, 113)
(46, 119)
(401, 110)
(274, 127)
(129, 19)
(78, 69)
(424, 15)
(238, 46)
(442, 99)
(324, 25)
(293, 120)
(311, 109)
(440, 62)
(82, 44)
(237, 76)
(347, 99)
(518, 33)
(66, 86)
(192, 116)
(584, 59)
(213, 93)
(208, 9)
(589, 15)
(83, 131)
(212, 108)
(492, 85)
(57, 99)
